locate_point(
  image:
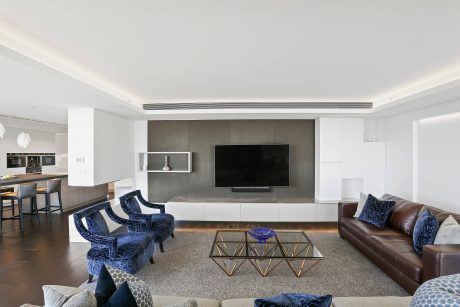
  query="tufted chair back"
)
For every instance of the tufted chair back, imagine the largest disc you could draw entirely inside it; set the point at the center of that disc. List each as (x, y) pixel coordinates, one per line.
(130, 202)
(133, 205)
(96, 224)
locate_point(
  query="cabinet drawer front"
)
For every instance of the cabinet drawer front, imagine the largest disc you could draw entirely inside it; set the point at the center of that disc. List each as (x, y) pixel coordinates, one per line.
(186, 211)
(221, 212)
(259, 212)
(291, 212)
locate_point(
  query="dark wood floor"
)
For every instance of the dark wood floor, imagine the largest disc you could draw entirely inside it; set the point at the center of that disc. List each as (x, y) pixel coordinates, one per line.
(42, 254)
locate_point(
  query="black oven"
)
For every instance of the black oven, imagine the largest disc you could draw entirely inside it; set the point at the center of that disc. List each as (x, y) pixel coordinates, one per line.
(14, 160)
(48, 159)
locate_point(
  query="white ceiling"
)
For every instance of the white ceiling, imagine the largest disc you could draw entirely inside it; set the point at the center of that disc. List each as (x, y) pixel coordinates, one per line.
(37, 93)
(232, 50)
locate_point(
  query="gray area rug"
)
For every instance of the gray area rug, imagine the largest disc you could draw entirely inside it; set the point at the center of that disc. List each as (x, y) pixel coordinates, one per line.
(185, 269)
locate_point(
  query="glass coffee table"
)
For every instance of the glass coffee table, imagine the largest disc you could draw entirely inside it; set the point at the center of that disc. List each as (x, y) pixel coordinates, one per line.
(231, 248)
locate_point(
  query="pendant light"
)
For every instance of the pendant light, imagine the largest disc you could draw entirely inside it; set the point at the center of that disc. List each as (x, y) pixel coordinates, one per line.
(2, 131)
(23, 140)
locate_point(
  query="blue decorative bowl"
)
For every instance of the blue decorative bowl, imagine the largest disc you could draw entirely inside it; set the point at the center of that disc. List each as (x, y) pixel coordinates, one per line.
(261, 234)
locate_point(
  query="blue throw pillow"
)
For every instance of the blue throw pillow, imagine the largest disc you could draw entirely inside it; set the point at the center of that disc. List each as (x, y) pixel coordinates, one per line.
(123, 297)
(105, 286)
(294, 300)
(425, 230)
(376, 212)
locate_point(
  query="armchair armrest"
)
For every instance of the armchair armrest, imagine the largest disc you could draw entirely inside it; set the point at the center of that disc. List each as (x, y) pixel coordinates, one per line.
(151, 205)
(109, 241)
(137, 224)
(440, 260)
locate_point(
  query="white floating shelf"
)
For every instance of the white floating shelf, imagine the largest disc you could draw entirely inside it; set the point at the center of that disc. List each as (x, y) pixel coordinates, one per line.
(144, 161)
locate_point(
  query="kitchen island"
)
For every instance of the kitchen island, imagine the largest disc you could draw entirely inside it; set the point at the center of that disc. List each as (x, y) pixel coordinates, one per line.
(72, 197)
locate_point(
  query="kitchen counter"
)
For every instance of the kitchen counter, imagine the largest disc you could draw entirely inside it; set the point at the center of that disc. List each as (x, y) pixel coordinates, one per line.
(25, 178)
(72, 196)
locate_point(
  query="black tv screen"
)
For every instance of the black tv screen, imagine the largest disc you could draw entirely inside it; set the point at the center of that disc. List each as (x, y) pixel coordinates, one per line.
(251, 165)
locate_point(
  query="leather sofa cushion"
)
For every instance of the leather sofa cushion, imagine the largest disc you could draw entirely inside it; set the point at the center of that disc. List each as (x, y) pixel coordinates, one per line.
(410, 264)
(389, 247)
(363, 230)
(404, 215)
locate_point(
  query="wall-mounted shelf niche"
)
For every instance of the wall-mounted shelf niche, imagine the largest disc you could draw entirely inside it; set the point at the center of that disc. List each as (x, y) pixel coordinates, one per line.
(154, 161)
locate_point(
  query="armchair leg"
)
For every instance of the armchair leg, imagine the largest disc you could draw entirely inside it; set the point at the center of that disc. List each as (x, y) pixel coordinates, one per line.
(151, 260)
(161, 247)
(90, 278)
(172, 235)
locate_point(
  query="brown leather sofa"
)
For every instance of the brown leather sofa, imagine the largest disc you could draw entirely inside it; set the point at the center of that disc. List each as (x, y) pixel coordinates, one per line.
(391, 248)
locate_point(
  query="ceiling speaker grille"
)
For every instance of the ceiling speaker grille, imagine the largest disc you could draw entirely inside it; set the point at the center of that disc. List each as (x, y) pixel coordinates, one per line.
(256, 105)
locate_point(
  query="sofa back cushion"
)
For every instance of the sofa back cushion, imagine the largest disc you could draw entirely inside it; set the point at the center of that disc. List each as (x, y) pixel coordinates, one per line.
(404, 214)
(441, 215)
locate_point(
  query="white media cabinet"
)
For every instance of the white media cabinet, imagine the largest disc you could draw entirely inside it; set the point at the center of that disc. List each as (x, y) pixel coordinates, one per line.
(251, 210)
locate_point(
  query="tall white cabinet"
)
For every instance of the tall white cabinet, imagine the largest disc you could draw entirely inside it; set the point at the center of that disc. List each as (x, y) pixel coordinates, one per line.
(344, 164)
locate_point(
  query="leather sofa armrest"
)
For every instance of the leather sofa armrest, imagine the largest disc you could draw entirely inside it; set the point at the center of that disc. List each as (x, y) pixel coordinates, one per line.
(440, 260)
(347, 209)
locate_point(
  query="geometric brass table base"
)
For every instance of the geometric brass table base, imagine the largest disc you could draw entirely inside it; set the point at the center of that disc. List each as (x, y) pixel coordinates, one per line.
(264, 267)
(229, 266)
(301, 269)
(232, 248)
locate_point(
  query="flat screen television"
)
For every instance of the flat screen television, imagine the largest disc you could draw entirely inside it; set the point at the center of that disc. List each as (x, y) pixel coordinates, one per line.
(251, 165)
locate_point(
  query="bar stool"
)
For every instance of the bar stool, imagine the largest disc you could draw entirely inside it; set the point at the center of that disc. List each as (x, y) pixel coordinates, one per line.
(24, 191)
(10, 206)
(52, 186)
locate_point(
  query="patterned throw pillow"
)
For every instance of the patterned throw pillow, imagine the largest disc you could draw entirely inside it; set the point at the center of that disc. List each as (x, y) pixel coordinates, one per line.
(62, 296)
(441, 291)
(449, 232)
(376, 212)
(361, 203)
(294, 300)
(425, 230)
(105, 287)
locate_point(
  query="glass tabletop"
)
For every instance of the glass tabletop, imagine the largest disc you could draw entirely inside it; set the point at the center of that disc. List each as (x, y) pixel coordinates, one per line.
(236, 244)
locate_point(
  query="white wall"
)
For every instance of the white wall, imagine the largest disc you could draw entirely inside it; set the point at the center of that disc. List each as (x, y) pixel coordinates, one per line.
(140, 145)
(42, 135)
(114, 147)
(345, 165)
(437, 160)
(398, 134)
(101, 147)
(81, 147)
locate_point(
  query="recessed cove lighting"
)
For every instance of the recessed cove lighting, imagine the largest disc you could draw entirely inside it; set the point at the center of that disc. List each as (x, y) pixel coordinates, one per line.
(440, 118)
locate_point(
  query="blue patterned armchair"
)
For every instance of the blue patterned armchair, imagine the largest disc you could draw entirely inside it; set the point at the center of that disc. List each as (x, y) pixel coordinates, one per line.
(125, 251)
(160, 224)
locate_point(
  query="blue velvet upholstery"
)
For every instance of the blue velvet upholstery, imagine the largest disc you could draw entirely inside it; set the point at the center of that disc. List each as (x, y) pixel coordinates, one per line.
(376, 212)
(125, 251)
(96, 224)
(425, 230)
(294, 300)
(161, 224)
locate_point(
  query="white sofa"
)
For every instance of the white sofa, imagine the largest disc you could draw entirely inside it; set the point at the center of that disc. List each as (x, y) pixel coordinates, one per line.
(383, 301)
(376, 301)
